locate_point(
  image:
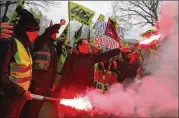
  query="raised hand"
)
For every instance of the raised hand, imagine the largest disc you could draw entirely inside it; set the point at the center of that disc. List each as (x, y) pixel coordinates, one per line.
(62, 22)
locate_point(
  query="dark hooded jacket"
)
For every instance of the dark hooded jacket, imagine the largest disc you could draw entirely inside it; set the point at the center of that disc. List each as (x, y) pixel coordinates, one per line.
(42, 77)
(78, 72)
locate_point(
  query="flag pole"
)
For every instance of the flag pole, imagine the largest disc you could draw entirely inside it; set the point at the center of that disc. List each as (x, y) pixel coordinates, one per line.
(95, 22)
(68, 26)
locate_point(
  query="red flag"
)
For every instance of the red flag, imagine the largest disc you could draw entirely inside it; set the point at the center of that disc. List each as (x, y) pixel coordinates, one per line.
(54, 36)
(111, 31)
(51, 23)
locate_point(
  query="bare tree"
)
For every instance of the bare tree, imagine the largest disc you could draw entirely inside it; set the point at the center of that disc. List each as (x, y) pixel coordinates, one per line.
(8, 6)
(42, 5)
(44, 23)
(136, 13)
(5, 7)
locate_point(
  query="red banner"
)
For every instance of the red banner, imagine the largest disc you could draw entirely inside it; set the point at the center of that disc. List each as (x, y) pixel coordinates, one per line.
(111, 30)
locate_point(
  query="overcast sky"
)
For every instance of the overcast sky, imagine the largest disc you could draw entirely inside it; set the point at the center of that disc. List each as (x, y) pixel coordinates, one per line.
(100, 7)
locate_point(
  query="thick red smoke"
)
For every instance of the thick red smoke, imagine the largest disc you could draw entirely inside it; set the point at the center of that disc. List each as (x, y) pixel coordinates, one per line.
(157, 95)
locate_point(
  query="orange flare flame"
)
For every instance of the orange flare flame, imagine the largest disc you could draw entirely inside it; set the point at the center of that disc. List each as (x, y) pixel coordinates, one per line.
(80, 103)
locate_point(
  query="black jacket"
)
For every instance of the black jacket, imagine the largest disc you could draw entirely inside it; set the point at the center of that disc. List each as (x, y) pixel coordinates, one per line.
(46, 78)
(78, 70)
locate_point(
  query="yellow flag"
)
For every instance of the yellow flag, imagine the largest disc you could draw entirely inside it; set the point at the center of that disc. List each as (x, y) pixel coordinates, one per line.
(80, 13)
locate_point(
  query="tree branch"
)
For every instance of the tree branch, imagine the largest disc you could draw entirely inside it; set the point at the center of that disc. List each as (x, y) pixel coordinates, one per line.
(14, 2)
(133, 13)
(144, 2)
(137, 5)
(142, 16)
(155, 10)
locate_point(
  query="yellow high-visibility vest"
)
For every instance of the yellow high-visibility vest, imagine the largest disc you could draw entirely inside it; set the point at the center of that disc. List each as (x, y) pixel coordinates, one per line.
(21, 69)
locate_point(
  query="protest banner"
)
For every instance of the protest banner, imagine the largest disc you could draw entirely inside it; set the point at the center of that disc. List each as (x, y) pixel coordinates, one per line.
(103, 40)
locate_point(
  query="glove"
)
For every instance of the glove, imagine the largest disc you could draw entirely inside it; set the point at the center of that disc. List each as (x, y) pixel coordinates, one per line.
(62, 22)
(6, 30)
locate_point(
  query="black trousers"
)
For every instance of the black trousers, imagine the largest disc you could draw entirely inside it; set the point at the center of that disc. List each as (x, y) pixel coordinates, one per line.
(11, 107)
(32, 108)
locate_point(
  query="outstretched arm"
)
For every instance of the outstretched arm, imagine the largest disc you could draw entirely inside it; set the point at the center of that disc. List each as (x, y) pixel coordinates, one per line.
(106, 55)
(42, 39)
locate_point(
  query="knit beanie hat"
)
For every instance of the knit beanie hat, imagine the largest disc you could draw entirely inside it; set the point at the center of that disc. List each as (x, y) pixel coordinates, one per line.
(27, 21)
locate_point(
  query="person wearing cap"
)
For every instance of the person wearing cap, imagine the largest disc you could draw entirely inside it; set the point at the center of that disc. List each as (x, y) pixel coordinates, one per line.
(78, 72)
(16, 64)
(44, 69)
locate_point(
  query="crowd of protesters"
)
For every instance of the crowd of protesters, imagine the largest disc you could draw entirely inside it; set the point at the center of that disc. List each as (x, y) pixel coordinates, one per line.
(29, 64)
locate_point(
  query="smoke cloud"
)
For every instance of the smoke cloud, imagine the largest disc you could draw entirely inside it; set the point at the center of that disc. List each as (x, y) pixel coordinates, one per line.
(157, 95)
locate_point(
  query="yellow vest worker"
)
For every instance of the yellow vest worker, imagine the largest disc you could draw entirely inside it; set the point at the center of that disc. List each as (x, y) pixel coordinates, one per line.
(21, 69)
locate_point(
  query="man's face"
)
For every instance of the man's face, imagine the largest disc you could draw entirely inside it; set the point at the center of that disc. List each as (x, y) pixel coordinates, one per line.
(133, 57)
(63, 39)
(32, 35)
(95, 49)
(54, 36)
(69, 50)
(84, 47)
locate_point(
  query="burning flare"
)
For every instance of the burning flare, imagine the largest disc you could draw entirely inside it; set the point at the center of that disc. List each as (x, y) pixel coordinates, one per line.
(80, 103)
(149, 40)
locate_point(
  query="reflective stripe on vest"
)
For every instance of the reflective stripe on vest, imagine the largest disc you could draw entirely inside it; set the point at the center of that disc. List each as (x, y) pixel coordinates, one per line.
(43, 53)
(42, 58)
(21, 69)
(20, 80)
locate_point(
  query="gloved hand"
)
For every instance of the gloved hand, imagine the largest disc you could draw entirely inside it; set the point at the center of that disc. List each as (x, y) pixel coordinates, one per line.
(27, 95)
(6, 30)
(62, 22)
